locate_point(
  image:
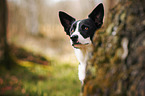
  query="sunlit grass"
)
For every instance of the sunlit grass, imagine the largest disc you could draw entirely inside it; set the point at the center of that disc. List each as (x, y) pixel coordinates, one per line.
(56, 79)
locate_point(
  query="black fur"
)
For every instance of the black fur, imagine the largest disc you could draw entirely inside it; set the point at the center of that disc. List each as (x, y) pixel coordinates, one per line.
(97, 15)
(66, 20)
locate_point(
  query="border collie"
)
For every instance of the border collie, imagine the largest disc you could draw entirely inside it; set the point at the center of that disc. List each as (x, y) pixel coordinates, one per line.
(81, 34)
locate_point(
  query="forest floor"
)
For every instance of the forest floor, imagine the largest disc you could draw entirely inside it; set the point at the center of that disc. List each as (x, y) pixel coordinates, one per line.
(36, 75)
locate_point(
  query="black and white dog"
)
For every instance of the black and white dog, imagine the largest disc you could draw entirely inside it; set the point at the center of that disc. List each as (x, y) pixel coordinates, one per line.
(81, 34)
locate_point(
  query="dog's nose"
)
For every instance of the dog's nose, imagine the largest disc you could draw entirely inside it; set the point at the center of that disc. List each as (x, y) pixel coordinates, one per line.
(74, 38)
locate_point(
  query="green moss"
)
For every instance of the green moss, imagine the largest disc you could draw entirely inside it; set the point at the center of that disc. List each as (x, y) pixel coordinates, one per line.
(109, 29)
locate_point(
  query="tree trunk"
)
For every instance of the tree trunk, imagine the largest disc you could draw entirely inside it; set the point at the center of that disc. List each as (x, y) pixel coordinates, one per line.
(119, 53)
(4, 50)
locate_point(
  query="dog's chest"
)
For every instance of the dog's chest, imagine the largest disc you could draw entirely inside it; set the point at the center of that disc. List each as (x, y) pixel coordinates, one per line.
(83, 54)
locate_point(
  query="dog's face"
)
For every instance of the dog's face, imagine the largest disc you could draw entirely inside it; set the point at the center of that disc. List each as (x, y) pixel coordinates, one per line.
(81, 32)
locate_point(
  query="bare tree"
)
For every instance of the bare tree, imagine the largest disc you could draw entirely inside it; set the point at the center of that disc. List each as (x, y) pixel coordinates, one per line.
(4, 49)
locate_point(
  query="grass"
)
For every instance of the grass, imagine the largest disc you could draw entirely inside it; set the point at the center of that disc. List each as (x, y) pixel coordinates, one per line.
(31, 79)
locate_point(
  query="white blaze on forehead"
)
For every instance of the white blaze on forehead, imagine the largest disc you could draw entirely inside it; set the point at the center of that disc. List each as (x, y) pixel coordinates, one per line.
(77, 29)
(81, 39)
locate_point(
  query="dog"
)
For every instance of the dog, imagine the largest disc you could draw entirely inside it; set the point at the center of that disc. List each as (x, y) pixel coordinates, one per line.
(81, 34)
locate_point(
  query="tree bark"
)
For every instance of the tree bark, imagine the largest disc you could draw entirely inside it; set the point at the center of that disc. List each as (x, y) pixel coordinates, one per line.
(119, 53)
(4, 49)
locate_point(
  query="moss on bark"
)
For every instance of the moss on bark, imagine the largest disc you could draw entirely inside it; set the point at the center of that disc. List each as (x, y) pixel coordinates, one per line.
(119, 53)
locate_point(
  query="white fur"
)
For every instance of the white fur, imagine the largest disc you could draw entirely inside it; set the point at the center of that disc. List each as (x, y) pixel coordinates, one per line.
(82, 53)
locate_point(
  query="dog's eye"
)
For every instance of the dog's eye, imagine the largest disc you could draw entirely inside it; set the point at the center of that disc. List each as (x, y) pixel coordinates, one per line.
(72, 30)
(86, 28)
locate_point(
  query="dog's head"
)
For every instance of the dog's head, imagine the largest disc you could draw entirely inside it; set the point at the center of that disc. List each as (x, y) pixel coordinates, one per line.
(81, 32)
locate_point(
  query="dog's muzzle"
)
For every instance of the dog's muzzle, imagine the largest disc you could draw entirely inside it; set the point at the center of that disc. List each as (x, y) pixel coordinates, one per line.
(74, 39)
(76, 43)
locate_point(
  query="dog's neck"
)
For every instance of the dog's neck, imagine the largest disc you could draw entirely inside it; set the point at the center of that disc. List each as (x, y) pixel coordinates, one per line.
(83, 52)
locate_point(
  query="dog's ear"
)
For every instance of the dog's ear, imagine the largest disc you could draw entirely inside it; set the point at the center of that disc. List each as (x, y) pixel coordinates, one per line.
(97, 15)
(66, 21)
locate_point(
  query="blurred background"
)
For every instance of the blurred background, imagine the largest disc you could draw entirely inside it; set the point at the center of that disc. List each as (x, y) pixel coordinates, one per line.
(41, 48)
(34, 24)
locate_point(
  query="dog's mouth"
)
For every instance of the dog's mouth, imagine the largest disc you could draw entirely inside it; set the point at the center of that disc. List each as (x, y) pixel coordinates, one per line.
(77, 44)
